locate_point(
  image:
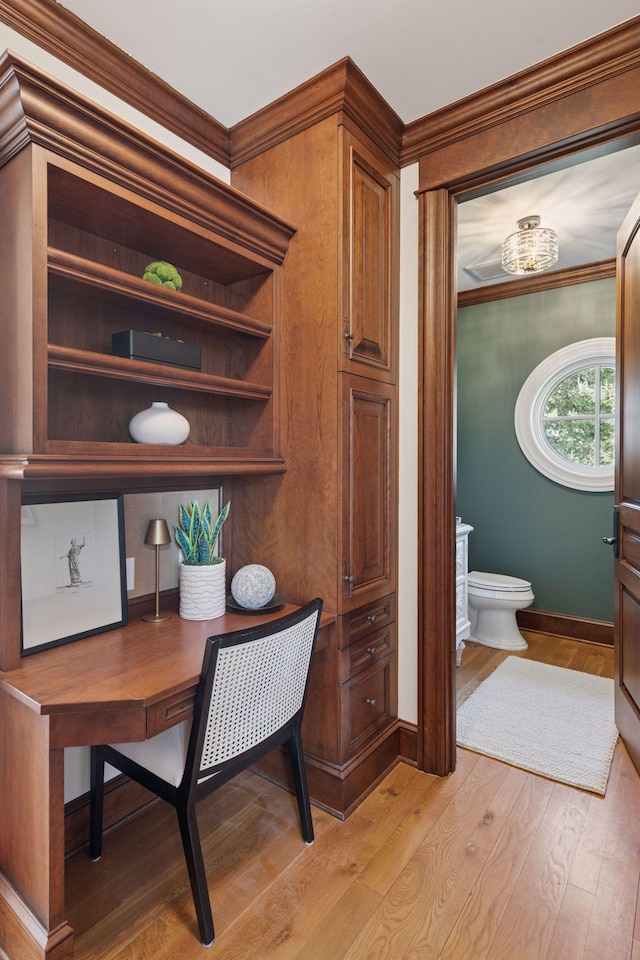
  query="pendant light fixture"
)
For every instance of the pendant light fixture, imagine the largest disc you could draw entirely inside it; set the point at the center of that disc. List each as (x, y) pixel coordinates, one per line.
(532, 249)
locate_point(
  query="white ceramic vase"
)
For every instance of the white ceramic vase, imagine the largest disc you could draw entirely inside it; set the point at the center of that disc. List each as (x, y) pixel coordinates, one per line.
(202, 591)
(159, 424)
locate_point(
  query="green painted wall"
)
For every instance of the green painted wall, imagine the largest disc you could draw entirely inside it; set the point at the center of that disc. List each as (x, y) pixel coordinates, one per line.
(524, 524)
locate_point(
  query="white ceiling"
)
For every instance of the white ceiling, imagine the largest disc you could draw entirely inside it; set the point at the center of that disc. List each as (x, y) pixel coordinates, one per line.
(231, 58)
(584, 204)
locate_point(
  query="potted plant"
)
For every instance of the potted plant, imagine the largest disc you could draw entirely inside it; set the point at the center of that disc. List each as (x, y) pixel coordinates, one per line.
(202, 572)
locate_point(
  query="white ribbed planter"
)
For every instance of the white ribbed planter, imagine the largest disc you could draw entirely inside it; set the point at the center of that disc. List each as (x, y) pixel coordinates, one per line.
(202, 591)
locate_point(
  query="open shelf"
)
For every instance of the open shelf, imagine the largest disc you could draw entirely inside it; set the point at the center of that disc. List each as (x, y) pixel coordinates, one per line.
(120, 368)
(115, 286)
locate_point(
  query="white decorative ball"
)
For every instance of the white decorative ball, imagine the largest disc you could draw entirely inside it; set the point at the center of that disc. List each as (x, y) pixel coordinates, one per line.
(253, 586)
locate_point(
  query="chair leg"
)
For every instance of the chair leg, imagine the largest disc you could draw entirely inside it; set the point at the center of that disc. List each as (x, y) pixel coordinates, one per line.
(197, 876)
(299, 772)
(96, 804)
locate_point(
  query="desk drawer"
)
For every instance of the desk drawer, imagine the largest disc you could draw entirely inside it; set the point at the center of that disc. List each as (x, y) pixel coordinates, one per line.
(371, 616)
(370, 702)
(367, 650)
(175, 709)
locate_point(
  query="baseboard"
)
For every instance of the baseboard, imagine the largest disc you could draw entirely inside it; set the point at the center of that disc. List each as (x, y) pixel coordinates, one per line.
(22, 934)
(339, 789)
(571, 628)
(408, 742)
(122, 799)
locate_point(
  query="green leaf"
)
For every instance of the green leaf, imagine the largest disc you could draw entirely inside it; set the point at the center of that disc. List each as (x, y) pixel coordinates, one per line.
(186, 546)
(196, 536)
(222, 516)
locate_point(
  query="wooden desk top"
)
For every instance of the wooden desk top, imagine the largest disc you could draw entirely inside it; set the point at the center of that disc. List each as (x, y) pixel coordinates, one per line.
(136, 666)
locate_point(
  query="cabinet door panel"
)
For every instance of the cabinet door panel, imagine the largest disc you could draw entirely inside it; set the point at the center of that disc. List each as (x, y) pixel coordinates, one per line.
(368, 491)
(370, 226)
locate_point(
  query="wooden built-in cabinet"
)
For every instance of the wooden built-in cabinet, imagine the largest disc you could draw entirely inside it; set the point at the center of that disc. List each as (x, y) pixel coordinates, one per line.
(87, 202)
(295, 404)
(329, 525)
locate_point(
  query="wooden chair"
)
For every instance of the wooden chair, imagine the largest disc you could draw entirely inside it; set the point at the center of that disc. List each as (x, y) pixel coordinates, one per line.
(250, 699)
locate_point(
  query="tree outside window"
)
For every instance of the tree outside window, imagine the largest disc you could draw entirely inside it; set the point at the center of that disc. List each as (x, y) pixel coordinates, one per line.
(565, 415)
(579, 416)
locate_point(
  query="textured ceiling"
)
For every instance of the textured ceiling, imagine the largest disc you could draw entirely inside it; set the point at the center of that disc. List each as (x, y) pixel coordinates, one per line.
(584, 204)
(232, 57)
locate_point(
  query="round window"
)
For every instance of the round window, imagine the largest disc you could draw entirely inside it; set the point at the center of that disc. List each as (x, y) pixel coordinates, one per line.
(565, 415)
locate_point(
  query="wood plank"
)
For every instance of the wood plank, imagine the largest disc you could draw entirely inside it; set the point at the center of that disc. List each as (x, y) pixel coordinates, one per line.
(245, 843)
(613, 921)
(287, 915)
(341, 925)
(399, 923)
(592, 846)
(488, 901)
(415, 815)
(572, 926)
(526, 930)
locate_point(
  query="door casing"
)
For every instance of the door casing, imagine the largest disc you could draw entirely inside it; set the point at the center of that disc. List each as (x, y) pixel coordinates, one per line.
(559, 131)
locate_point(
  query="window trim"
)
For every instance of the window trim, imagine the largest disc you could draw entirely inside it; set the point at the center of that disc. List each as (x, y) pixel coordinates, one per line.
(529, 413)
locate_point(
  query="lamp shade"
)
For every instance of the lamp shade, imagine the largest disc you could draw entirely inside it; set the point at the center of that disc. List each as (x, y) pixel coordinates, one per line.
(157, 533)
(531, 249)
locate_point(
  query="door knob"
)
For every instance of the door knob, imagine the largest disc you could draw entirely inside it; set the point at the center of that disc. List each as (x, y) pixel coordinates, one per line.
(610, 540)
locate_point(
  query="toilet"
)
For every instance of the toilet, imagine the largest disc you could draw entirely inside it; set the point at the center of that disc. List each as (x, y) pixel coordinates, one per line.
(493, 601)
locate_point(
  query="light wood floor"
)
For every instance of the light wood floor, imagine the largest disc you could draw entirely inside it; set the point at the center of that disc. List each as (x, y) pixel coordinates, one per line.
(479, 661)
(490, 862)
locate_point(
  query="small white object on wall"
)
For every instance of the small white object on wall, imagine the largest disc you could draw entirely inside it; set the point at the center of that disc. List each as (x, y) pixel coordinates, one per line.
(131, 573)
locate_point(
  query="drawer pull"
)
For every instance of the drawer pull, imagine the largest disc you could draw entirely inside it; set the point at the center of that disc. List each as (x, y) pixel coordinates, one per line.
(371, 651)
(371, 618)
(371, 702)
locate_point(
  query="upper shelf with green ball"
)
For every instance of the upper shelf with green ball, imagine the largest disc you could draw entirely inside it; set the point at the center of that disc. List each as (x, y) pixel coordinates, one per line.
(164, 274)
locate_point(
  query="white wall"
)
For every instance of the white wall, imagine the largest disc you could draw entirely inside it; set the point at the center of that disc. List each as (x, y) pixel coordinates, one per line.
(408, 457)
(76, 759)
(18, 44)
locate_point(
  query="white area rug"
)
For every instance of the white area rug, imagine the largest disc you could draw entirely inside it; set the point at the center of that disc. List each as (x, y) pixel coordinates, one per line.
(548, 720)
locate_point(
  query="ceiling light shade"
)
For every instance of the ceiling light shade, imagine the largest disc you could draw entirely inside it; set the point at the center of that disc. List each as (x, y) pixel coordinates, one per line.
(532, 249)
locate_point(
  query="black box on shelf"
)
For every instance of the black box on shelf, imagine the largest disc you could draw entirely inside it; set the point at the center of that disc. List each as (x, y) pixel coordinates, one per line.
(156, 349)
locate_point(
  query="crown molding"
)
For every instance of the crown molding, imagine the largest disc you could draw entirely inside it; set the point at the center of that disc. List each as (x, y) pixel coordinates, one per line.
(340, 88)
(602, 270)
(36, 108)
(578, 68)
(62, 34)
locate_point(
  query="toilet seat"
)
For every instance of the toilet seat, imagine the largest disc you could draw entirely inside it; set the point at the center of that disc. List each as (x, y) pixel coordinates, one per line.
(497, 585)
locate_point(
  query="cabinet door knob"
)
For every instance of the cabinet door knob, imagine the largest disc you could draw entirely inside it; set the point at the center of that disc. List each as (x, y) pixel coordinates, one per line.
(348, 579)
(371, 618)
(371, 651)
(371, 703)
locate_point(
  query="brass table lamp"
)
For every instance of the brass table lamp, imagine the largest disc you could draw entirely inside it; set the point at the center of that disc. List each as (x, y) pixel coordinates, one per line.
(157, 536)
